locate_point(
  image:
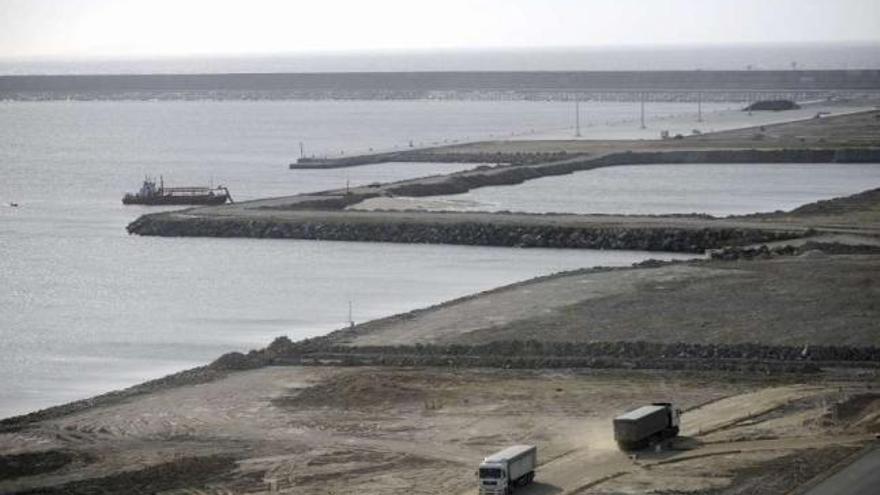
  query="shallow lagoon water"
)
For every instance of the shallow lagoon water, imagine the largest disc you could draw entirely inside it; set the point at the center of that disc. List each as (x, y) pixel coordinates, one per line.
(714, 189)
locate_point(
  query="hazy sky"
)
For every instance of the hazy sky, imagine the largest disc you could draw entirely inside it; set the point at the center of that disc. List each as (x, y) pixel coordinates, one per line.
(74, 28)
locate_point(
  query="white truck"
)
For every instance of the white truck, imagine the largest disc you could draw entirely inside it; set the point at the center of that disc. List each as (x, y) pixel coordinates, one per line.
(502, 471)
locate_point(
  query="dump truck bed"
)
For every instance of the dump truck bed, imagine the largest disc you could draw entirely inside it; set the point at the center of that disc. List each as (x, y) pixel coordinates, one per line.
(639, 424)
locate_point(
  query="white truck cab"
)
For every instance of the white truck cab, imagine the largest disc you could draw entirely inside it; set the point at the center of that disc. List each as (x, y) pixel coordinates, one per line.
(502, 471)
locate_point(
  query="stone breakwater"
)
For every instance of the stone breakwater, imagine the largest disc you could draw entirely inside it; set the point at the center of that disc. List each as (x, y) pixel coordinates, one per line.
(537, 354)
(440, 155)
(465, 232)
(732, 253)
(308, 216)
(431, 155)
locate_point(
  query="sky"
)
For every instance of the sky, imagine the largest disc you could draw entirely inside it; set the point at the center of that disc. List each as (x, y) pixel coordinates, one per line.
(137, 28)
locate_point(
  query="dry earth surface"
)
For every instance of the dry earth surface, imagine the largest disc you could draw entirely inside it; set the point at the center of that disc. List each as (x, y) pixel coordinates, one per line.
(388, 431)
(861, 129)
(813, 299)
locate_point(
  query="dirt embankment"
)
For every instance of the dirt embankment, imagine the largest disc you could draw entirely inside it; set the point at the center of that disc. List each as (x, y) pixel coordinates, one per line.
(812, 299)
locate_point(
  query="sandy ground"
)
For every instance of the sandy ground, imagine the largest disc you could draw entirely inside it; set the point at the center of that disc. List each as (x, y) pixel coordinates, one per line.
(382, 431)
(780, 129)
(686, 124)
(812, 299)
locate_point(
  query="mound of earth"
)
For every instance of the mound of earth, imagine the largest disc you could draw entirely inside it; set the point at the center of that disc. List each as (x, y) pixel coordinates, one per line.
(365, 388)
(772, 105)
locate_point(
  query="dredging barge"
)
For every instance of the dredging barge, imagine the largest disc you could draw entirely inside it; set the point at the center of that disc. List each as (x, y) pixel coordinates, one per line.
(152, 194)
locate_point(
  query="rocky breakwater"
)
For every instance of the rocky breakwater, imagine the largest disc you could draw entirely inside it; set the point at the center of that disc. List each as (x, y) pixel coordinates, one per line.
(465, 229)
(451, 154)
(535, 354)
(438, 155)
(320, 216)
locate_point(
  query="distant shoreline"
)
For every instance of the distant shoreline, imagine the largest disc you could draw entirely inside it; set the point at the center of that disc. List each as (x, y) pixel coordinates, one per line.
(491, 85)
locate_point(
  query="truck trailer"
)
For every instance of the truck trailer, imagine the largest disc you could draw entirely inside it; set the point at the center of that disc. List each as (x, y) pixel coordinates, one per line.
(502, 471)
(640, 427)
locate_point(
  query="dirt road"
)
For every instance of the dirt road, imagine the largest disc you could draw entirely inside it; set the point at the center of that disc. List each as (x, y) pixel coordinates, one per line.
(588, 470)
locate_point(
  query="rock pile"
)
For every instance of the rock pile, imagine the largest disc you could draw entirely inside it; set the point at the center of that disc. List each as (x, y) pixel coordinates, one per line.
(813, 249)
(536, 354)
(426, 231)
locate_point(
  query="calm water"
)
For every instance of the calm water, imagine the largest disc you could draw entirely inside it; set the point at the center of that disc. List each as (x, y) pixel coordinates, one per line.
(85, 308)
(718, 190)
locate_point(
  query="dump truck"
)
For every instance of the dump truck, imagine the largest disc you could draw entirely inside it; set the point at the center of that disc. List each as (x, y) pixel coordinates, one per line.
(506, 469)
(645, 425)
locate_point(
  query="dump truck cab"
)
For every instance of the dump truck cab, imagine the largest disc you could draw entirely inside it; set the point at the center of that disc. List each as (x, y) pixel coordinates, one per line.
(674, 415)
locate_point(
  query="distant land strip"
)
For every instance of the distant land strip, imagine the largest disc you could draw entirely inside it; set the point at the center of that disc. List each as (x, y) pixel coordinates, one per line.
(403, 85)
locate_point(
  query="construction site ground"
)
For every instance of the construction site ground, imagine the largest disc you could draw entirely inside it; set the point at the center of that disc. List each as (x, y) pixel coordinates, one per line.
(393, 431)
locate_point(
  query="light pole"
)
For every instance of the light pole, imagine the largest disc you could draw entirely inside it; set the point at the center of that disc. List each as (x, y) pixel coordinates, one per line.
(642, 109)
(699, 106)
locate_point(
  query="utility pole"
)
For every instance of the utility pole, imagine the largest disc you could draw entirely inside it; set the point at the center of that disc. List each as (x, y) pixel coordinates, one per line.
(642, 107)
(699, 106)
(577, 118)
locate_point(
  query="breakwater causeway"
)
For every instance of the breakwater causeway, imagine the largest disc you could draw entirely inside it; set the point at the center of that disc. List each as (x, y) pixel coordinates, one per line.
(464, 229)
(321, 216)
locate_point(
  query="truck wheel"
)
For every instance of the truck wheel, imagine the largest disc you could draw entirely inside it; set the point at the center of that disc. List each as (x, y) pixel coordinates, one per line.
(530, 477)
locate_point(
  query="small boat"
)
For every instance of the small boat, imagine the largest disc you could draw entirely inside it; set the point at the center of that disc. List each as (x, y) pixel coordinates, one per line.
(152, 194)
